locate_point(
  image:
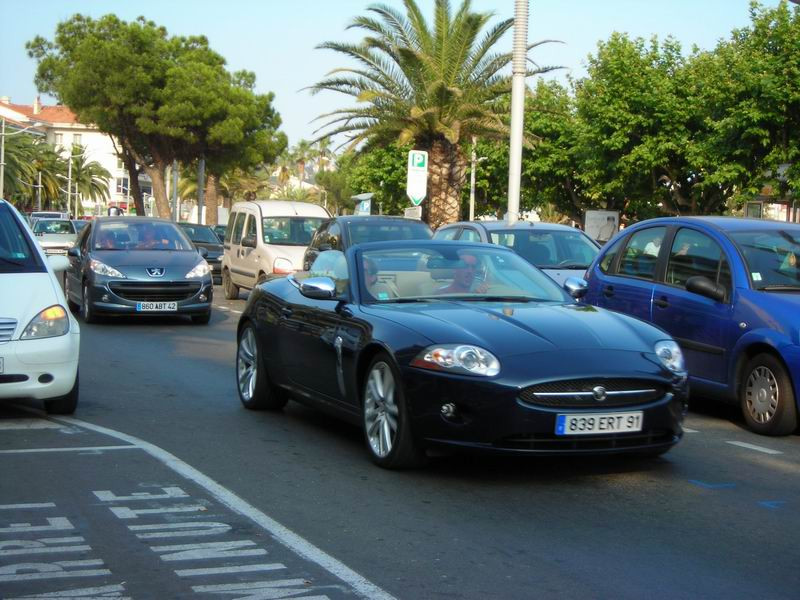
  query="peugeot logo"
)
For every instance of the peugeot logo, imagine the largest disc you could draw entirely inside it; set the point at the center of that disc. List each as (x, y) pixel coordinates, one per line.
(599, 393)
(155, 271)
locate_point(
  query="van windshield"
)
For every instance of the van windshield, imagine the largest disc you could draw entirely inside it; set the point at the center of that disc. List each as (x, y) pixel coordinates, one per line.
(290, 231)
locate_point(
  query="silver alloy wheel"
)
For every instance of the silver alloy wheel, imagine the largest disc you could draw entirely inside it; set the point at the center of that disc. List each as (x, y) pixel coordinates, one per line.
(380, 409)
(761, 394)
(246, 364)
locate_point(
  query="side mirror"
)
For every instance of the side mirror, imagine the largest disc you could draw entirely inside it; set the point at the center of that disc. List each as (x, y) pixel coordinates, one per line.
(324, 247)
(318, 288)
(58, 263)
(249, 241)
(576, 287)
(203, 252)
(705, 287)
(74, 252)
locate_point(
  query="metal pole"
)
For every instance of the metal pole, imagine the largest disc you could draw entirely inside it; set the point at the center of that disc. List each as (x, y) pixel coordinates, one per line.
(69, 185)
(201, 177)
(175, 209)
(39, 191)
(472, 181)
(2, 158)
(518, 71)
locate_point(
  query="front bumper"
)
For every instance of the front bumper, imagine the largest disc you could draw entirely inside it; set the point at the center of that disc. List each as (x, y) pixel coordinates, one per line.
(122, 296)
(53, 360)
(491, 416)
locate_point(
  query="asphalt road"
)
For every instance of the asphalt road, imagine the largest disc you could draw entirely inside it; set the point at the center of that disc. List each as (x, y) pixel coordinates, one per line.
(715, 517)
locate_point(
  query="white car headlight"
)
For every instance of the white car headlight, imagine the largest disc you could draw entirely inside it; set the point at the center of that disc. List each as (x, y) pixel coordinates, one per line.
(458, 358)
(104, 269)
(670, 355)
(51, 322)
(201, 269)
(282, 266)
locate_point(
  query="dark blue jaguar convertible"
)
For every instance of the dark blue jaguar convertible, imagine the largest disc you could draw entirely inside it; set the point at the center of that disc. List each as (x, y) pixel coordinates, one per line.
(425, 343)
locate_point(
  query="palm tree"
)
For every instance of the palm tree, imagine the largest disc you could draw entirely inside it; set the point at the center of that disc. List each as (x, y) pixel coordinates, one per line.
(301, 154)
(322, 153)
(432, 86)
(89, 179)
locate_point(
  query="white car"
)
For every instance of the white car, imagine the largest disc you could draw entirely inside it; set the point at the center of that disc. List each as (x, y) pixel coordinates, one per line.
(39, 337)
(55, 236)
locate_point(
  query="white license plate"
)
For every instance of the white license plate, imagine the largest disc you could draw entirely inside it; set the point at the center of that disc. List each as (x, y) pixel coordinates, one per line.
(156, 306)
(586, 424)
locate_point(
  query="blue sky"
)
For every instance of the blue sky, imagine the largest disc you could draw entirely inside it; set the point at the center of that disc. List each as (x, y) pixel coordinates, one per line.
(276, 39)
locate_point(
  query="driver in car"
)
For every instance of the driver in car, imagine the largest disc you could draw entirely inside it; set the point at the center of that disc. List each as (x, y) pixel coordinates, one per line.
(464, 280)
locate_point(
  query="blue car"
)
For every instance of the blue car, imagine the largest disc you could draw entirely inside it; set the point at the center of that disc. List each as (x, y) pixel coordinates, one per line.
(728, 290)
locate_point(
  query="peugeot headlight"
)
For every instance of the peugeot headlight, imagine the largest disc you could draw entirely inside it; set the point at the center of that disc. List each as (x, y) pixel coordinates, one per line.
(201, 269)
(458, 358)
(51, 322)
(670, 355)
(104, 269)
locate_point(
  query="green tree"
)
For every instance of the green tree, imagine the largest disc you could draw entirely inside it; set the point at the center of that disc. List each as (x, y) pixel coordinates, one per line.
(430, 86)
(382, 171)
(162, 97)
(89, 179)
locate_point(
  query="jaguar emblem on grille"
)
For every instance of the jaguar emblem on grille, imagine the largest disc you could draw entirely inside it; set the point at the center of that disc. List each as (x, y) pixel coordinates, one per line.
(156, 271)
(599, 393)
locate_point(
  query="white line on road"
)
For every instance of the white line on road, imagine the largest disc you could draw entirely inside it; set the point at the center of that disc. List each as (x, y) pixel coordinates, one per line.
(754, 447)
(80, 449)
(29, 424)
(687, 430)
(30, 505)
(238, 312)
(287, 537)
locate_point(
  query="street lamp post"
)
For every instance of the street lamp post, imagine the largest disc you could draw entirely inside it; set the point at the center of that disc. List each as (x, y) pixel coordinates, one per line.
(518, 71)
(475, 161)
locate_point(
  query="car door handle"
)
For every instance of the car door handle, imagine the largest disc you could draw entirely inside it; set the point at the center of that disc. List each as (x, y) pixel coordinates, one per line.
(661, 302)
(608, 291)
(286, 312)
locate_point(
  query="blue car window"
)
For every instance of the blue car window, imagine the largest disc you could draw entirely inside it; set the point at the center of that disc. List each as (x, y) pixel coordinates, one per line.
(641, 253)
(693, 254)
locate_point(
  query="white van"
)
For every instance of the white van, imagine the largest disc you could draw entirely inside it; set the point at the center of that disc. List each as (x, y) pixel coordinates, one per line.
(266, 238)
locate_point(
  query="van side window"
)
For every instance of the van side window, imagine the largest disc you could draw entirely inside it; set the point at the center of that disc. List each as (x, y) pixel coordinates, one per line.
(230, 227)
(238, 228)
(252, 227)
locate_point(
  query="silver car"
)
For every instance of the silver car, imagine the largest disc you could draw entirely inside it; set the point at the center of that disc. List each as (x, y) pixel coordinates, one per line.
(558, 250)
(55, 236)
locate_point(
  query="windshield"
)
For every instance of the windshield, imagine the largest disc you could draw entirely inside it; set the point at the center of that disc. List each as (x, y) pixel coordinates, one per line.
(371, 230)
(549, 249)
(290, 231)
(16, 253)
(54, 226)
(200, 233)
(146, 235)
(771, 256)
(453, 271)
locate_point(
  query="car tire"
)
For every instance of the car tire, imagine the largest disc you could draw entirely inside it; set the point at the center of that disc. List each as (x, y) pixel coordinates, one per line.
(88, 313)
(766, 396)
(252, 381)
(66, 404)
(385, 417)
(201, 319)
(229, 289)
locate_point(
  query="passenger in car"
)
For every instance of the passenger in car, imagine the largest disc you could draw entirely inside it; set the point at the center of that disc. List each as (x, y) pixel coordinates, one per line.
(380, 290)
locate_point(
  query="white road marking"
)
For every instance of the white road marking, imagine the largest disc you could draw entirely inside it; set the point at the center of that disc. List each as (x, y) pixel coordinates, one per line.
(687, 430)
(223, 308)
(78, 449)
(29, 424)
(285, 536)
(225, 570)
(238, 312)
(754, 447)
(30, 505)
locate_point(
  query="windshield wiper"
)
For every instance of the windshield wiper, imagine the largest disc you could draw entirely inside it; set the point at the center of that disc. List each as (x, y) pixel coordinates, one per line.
(407, 300)
(485, 298)
(779, 288)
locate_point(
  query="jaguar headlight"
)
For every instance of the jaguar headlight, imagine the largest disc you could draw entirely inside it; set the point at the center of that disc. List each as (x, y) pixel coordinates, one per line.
(463, 359)
(104, 269)
(670, 355)
(51, 322)
(201, 269)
